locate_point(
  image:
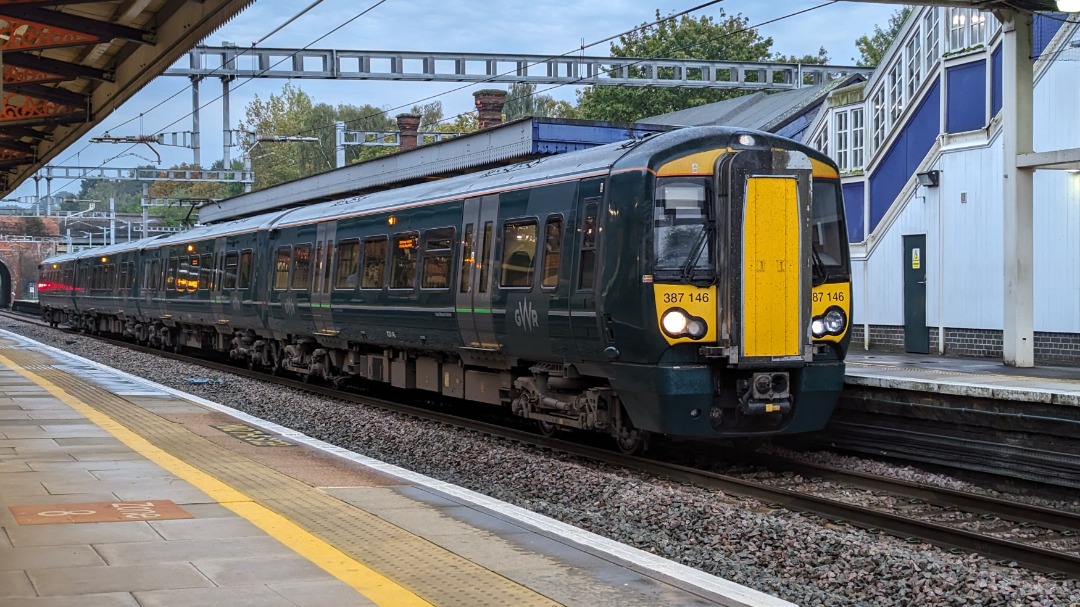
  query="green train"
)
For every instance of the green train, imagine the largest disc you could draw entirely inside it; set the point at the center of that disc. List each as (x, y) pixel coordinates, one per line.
(694, 283)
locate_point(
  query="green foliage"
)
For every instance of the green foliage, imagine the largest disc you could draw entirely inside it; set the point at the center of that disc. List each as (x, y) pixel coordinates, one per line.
(872, 48)
(522, 100)
(822, 58)
(723, 38)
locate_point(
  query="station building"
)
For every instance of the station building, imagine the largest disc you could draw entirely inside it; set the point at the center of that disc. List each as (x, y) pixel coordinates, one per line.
(920, 146)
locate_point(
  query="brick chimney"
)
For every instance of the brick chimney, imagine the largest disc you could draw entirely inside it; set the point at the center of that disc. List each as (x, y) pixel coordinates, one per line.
(489, 104)
(408, 124)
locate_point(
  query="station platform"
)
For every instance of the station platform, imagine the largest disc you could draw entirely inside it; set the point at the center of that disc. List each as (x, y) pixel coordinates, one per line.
(970, 377)
(115, 491)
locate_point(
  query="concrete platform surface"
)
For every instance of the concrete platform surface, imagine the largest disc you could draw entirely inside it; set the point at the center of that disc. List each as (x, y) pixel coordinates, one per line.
(116, 491)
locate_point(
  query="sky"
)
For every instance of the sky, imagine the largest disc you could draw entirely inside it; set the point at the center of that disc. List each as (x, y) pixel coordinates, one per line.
(549, 27)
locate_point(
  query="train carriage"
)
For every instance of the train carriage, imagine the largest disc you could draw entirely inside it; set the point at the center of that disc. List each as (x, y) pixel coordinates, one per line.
(694, 283)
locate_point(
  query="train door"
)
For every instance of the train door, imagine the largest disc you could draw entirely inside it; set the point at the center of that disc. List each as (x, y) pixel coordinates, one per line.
(322, 286)
(219, 306)
(585, 275)
(473, 297)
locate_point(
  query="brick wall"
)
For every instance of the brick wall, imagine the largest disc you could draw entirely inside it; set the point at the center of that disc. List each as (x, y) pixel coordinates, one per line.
(1050, 348)
(21, 257)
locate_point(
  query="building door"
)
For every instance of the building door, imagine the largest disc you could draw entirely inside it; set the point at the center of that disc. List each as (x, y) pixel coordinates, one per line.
(916, 333)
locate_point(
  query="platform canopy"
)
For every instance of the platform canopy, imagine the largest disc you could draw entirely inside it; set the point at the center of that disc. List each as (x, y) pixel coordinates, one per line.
(67, 64)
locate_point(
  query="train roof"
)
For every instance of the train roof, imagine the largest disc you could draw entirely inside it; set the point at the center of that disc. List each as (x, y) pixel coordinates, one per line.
(106, 250)
(597, 159)
(236, 226)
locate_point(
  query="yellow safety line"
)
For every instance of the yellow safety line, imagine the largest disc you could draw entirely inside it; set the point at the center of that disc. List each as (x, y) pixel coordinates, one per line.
(370, 583)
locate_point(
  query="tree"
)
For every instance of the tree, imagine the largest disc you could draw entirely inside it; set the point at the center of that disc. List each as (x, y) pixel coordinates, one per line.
(726, 38)
(872, 48)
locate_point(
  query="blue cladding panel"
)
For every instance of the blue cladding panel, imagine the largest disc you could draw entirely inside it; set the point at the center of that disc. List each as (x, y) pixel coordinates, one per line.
(796, 129)
(995, 81)
(1043, 30)
(966, 106)
(909, 149)
(854, 210)
(557, 138)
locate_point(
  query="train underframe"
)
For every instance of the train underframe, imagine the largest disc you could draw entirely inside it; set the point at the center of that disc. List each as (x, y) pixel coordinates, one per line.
(555, 396)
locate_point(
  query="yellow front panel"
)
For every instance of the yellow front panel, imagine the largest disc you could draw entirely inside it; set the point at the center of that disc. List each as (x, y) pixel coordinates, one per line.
(699, 302)
(771, 237)
(826, 296)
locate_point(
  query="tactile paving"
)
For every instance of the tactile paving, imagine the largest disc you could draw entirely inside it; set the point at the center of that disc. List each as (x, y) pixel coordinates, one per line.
(431, 572)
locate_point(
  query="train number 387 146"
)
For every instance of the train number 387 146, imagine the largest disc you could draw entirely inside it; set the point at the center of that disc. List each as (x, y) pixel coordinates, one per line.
(702, 297)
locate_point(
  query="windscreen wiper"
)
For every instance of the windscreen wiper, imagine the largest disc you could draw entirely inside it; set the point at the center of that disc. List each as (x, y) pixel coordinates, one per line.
(820, 269)
(694, 255)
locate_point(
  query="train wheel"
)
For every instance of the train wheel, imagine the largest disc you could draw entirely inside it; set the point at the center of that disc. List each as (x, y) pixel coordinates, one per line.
(547, 429)
(631, 442)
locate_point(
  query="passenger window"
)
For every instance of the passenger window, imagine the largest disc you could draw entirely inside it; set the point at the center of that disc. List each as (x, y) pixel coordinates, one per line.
(326, 263)
(374, 263)
(437, 252)
(170, 274)
(193, 275)
(301, 276)
(588, 246)
(123, 282)
(231, 260)
(519, 251)
(553, 235)
(485, 257)
(281, 268)
(206, 269)
(245, 269)
(348, 262)
(467, 259)
(403, 267)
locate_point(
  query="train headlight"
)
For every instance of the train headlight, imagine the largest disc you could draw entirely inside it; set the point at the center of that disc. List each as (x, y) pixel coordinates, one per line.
(832, 322)
(677, 322)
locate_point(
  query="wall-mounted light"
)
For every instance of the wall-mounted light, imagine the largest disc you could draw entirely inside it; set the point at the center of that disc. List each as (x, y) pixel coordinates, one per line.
(1069, 6)
(930, 179)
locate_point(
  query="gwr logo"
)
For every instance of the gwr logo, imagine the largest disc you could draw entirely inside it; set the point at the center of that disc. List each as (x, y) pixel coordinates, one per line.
(525, 316)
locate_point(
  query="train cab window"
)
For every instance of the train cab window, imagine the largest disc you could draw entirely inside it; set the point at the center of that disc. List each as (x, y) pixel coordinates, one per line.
(348, 264)
(206, 272)
(680, 223)
(232, 259)
(467, 259)
(170, 274)
(403, 264)
(374, 263)
(519, 252)
(245, 269)
(281, 268)
(301, 275)
(553, 235)
(587, 270)
(438, 248)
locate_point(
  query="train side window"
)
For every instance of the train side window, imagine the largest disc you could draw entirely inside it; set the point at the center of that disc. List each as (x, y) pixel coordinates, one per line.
(206, 272)
(587, 271)
(245, 268)
(403, 266)
(348, 264)
(182, 275)
(485, 251)
(170, 274)
(553, 235)
(232, 258)
(374, 263)
(519, 252)
(281, 268)
(438, 248)
(193, 274)
(467, 259)
(301, 276)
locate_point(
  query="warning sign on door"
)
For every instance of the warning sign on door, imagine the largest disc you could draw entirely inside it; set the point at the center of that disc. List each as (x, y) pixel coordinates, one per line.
(916, 262)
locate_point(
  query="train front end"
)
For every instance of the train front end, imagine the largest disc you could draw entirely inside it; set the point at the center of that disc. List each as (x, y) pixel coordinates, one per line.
(747, 290)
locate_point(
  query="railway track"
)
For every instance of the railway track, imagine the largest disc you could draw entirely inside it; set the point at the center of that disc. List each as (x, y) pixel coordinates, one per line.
(1005, 531)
